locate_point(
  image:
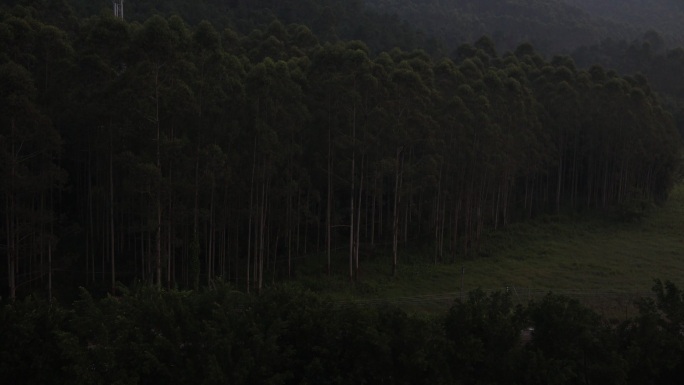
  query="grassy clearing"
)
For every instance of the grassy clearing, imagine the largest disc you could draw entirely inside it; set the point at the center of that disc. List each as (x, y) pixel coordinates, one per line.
(590, 256)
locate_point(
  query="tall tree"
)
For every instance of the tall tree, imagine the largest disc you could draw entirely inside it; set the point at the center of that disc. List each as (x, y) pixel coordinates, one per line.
(29, 146)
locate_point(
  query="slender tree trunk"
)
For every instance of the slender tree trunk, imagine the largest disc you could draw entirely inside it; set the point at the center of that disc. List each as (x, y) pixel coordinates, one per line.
(11, 249)
(289, 221)
(561, 170)
(375, 199)
(575, 175)
(497, 205)
(299, 224)
(158, 203)
(275, 255)
(50, 270)
(251, 215)
(89, 220)
(111, 208)
(409, 198)
(358, 220)
(170, 273)
(381, 204)
(210, 247)
(171, 252)
(143, 273)
(306, 222)
(457, 213)
(104, 251)
(468, 217)
(237, 253)
(397, 201)
(288, 229)
(263, 228)
(158, 251)
(329, 202)
(435, 225)
(12, 259)
(351, 200)
(442, 228)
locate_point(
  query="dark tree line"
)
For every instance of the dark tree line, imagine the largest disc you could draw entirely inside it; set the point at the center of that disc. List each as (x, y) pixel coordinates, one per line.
(438, 27)
(286, 336)
(176, 154)
(330, 20)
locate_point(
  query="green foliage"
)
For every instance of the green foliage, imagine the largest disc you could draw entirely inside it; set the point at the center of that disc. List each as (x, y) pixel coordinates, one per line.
(31, 351)
(289, 336)
(653, 341)
(283, 336)
(194, 151)
(484, 332)
(572, 344)
(197, 151)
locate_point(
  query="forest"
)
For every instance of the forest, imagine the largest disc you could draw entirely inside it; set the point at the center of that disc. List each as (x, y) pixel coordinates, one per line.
(167, 172)
(178, 154)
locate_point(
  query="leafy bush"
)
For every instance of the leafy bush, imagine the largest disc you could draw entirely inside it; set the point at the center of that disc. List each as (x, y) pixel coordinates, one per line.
(287, 335)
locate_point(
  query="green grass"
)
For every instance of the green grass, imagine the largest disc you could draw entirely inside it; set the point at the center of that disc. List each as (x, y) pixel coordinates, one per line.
(587, 256)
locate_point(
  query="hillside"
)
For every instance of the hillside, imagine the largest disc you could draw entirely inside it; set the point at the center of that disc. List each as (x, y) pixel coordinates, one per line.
(663, 16)
(552, 26)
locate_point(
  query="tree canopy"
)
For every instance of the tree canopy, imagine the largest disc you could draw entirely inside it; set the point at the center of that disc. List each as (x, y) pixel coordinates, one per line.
(175, 153)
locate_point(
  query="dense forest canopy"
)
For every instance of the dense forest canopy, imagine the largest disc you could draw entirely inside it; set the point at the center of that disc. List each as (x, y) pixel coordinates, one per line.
(176, 153)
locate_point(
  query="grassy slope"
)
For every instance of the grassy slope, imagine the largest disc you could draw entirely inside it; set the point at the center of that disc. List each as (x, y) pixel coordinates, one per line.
(604, 263)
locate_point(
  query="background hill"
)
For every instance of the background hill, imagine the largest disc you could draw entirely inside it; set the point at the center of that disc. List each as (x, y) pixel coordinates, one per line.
(663, 16)
(552, 26)
(438, 26)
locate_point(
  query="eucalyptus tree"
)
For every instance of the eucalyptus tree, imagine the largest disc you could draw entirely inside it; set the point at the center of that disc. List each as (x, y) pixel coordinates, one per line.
(408, 100)
(355, 92)
(341, 73)
(322, 74)
(217, 81)
(160, 79)
(479, 127)
(452, 152)
(278, 110)
(525, 140)
(95, 131)
(563, 105)
(29, 146)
